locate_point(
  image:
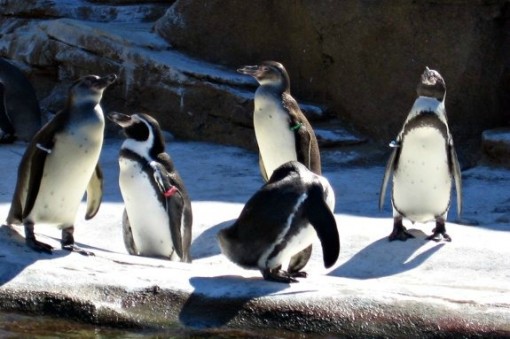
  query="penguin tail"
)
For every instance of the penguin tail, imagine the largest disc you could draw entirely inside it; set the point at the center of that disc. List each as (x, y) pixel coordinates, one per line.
(323, 221)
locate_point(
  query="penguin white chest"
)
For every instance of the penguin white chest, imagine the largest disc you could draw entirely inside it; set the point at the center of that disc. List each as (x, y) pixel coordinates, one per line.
(147, 215)
(277, 143)
(66, 174)
(422, 180)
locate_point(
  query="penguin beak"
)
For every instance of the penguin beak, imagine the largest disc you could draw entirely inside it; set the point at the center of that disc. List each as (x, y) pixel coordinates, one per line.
(249, 70)
(121, 119)
(105, 81)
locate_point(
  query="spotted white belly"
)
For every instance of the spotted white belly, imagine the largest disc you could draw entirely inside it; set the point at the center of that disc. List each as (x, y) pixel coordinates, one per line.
(277, 144)
(67, 172)
(422, 181)
(149, 220)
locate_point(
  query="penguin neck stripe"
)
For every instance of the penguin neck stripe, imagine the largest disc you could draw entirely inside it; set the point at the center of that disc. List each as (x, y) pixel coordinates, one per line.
(296, 127)
(171, 191)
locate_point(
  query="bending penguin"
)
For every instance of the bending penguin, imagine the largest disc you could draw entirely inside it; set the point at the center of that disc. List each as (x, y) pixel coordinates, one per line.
(423, 163)
(281, 220)
(282, 131)
(60, 164)
(157, 219)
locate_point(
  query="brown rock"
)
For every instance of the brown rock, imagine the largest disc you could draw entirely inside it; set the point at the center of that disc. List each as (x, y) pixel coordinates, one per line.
(362, 59)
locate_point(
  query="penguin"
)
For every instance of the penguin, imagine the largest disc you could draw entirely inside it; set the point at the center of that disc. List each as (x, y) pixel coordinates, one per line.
(21, 105)
(7, 133)
(423, 163)
(279, 221)
(157, 219)
(60, 164)
(282, 131)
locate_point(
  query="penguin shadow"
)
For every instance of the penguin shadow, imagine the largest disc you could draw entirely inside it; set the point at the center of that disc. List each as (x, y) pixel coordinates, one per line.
(206, 244)
(15, 256)
(382, 258)
(216, 301)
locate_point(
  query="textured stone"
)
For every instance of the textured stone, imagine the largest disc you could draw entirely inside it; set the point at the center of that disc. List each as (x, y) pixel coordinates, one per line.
(361, 59)
(496, 146)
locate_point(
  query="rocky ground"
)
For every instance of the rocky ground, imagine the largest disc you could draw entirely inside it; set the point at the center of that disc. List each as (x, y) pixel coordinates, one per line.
(377, 288)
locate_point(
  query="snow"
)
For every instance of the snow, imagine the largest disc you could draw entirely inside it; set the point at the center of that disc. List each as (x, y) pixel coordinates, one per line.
(474, 269)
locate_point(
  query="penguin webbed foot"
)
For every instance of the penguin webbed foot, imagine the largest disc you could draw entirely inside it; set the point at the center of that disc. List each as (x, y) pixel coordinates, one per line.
(278, 275)
(77, 249)
(68, 242)
(299, 274)
(399, 232)
(34, 244)
(39, 246)
(438, 231)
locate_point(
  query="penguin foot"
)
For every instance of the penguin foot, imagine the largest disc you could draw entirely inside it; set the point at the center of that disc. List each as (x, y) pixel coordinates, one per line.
(438, 231)
(300, 274)
(436, 236)
(74, 248)
(278, 275)
(400, 234)
(39, 246)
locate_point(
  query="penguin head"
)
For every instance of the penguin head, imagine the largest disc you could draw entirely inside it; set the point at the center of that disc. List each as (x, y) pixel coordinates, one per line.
(143, 134)
(89, 89)
(431, 85)
(270, 73)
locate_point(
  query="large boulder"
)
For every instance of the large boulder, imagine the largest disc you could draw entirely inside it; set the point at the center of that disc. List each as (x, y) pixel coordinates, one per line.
(361, 59)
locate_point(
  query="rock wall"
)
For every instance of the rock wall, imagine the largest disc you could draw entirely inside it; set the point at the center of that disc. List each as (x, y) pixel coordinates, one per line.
(358, 60)
(362, 59)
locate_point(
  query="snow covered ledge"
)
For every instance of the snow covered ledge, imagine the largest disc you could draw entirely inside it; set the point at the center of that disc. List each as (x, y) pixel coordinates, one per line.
(377, 288)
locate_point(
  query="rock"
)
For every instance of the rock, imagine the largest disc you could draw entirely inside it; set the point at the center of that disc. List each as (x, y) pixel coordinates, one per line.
(361, 59)
(190, 98)
(496, 146)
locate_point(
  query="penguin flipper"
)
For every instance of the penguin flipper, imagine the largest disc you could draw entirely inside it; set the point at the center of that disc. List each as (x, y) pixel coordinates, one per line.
(174, 201)
(457, 176)
(35, 158)
(324, 223)
(263, 169)
(390, 165)
(127, 234)
(94, 193)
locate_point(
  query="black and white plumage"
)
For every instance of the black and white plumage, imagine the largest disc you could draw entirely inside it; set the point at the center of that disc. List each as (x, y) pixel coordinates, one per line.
(280, 220)
(423, 163)
(282, 131)
(60, 164)
(157, 220)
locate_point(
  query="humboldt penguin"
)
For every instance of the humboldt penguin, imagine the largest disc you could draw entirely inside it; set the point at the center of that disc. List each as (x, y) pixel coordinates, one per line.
(157, 219)
(60, 164)
(423, 163)
(282, 131)
(279, 221)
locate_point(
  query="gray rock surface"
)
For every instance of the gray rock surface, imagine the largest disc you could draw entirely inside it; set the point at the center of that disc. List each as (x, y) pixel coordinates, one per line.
(496, 146)
(362, 59)
(56, 42)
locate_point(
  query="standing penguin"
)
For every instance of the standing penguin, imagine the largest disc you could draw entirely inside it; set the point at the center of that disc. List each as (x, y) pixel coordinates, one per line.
(423, 163)
(281, 220)
(60, 164)
(158, 218)
(282, 131)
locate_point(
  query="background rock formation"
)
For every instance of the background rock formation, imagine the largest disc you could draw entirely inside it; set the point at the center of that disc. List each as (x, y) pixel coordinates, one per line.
(359, 60)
